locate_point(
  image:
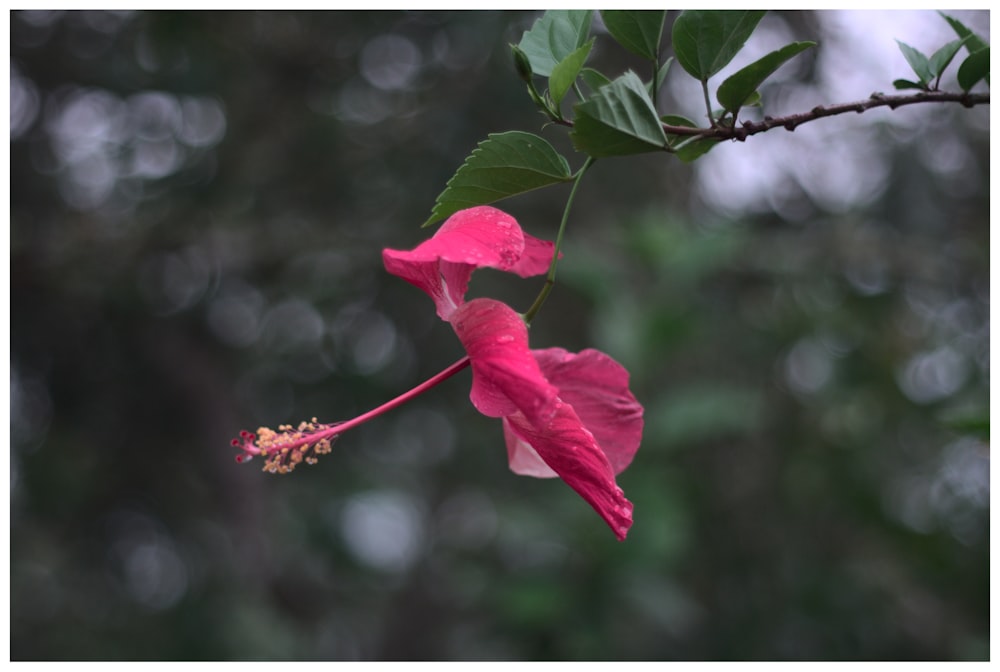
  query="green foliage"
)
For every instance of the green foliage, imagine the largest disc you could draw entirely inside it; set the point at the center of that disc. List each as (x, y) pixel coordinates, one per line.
(705, 41)
(976, 425)
(688, 148)
(639, 31)
(593, 78)
(738, 89)
(930, 69)
(974, 68)
(503, 165)
(566, 71)
(553, 37)
(619, 119)
(942, 58)
(977, 65)
(661, 74)
(919, 62)
(974, 42)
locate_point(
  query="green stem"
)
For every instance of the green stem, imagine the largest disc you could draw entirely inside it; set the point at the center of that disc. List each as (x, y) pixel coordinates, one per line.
(656, 72)
(708, 102)
(550, 279)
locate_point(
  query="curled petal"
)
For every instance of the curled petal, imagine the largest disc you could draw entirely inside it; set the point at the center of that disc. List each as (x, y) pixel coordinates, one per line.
(505, 375)
(596, 386)
(566, 446)
(480, 237)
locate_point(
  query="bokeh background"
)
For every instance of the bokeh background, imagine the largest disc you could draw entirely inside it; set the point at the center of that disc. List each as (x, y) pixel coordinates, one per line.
(198, 205)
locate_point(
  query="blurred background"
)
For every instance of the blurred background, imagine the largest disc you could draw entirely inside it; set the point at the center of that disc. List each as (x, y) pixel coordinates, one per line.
(198, 206)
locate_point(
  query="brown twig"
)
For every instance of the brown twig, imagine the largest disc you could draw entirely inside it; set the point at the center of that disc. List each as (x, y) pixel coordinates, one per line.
(792, 121)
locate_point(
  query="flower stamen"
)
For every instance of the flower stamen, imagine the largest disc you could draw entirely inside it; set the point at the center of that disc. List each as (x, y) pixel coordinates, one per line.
(286, 448)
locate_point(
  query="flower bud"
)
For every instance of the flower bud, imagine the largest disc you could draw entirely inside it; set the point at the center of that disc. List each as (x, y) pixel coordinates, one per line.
(521, 63)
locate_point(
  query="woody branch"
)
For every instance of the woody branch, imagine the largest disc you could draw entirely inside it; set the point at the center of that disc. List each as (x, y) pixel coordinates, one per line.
(792, 121)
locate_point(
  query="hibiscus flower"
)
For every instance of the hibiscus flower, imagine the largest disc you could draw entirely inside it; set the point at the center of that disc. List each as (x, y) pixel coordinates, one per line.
(563, 415)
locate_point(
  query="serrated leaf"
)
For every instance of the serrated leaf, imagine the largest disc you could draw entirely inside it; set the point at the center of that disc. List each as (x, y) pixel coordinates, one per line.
(705, 41)
(618, 120)
(553, 37)
(636, 30)
(739, 87)
(918, 61)
(902, 84)
(942, 57)
(975, 43)
(594, 79)
(974, 68)
(503, 165)
(566, 71)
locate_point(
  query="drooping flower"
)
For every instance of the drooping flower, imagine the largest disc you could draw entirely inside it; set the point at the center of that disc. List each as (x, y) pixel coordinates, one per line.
(537, 393)
(564, 415)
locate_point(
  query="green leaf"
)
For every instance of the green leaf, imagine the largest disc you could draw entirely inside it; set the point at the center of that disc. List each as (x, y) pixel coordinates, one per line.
(661, 74)
(553, 37)
(693, 149)
(503, 165)
(739, 87)
(907, 84)
(970, 421)
(918, 61)
(521, 63)
(706, 40)
(688, 148)
(943, 56)
(974, 68)
(594, 79)
(619, 119)
(975, 43)
(565, 73)
(677, 120)
(637, 31)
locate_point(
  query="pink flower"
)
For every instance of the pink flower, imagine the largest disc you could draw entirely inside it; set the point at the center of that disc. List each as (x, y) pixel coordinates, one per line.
(481, 237)
(564, 415)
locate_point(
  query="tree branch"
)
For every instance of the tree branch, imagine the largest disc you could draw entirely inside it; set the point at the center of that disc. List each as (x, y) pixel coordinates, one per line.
(790, 122)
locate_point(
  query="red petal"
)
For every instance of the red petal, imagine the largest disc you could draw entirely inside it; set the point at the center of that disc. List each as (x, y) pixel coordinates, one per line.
(474, 238)
(505, 375)
(570, 450)
(596, 386)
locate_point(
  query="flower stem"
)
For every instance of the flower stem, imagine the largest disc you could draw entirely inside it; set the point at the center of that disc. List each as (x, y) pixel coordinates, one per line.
(550, 279)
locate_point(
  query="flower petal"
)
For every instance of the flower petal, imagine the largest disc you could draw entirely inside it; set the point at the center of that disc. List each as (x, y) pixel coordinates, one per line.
(506, 377)
(570, 450)
(596, 386)
(474, 238)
